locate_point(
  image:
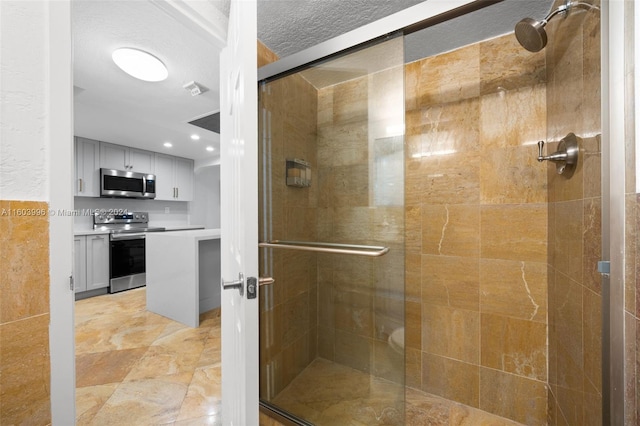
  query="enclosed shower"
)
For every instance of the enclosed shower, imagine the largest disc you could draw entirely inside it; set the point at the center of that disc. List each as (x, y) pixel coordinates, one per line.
(430, 266)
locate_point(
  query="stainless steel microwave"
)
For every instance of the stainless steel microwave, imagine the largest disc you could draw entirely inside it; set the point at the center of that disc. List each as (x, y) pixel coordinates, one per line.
(118, 183)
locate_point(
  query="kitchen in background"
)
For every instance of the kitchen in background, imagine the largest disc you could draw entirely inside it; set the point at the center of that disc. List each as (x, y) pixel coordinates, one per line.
(121, 194)
(160, 130)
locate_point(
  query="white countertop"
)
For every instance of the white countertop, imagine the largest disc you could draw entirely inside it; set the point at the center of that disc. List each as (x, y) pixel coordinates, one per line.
(195, 234)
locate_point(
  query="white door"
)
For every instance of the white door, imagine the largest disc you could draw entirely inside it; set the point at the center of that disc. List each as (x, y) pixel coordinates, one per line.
(239, 214)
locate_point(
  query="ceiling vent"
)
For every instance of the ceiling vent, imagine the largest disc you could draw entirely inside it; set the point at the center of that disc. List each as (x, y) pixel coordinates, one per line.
(194, 88)
(210, 122)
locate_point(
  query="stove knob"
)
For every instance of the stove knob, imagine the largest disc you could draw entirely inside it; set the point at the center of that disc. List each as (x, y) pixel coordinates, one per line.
(137, 216)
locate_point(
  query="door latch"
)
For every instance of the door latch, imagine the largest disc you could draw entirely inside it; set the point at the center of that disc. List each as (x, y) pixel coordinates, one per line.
(252, 288)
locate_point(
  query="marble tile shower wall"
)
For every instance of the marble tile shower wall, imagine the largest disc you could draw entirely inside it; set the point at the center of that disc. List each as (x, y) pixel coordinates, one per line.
(575, 297)
(476, 228)
(632, 249)
(288, 308)
(360, 300)
(24, 313)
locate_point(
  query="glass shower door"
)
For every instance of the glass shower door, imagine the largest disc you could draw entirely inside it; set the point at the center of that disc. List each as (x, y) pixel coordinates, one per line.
(332, 224)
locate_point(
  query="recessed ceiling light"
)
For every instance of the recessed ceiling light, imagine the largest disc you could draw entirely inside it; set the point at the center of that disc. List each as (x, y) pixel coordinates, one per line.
(195, 137)
(168, 144)
(140, 64)
(210, 148)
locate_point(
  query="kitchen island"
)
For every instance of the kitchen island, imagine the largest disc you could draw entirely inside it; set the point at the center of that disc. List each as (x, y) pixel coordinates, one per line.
(183, 273)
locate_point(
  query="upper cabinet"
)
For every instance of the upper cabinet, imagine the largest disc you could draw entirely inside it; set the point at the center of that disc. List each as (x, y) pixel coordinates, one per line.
(174, 178)
(174, 175)
(120, 157)
(183, 179)
(87, 165)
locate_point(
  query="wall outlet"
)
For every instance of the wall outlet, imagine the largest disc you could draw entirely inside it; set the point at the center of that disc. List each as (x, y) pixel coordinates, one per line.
(167, 210)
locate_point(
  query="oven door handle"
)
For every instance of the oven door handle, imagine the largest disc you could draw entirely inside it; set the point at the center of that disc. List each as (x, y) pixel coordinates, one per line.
(126, 236)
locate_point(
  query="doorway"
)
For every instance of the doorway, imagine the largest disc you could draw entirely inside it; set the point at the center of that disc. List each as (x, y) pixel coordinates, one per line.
(130, 361)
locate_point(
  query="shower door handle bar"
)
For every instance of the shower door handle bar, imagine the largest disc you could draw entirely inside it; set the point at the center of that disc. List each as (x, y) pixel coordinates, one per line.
(352, 249)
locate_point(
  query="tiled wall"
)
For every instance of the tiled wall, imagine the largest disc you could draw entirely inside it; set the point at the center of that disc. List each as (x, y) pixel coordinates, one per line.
(573, 105)
(288, 308)
(24, 313)
(360, 300)
(632, 308)
(476, 228)
(632, 240)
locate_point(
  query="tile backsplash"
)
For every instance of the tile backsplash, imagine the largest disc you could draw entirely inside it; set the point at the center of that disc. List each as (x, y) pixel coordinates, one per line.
(178, 213)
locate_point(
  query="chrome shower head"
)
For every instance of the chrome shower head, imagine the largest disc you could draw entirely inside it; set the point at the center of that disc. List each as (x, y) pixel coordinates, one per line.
(531, 33)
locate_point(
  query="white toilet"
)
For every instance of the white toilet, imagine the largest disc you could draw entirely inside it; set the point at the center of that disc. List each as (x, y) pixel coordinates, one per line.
(396, 340)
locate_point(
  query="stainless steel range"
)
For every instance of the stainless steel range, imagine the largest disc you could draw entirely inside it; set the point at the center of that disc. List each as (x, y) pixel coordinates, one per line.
(127, 247)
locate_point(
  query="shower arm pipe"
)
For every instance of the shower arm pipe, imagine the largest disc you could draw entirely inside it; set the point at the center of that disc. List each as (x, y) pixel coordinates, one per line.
(566, 8)
(352, 249)
(562, 9)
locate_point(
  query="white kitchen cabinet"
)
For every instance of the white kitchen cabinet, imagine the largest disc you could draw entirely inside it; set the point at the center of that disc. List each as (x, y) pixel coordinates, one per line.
(87, 168)
(97, 261)
(174, 178)
(183, 174)
(165, 189)
(80, 263)
(120, 157)
(91, 262)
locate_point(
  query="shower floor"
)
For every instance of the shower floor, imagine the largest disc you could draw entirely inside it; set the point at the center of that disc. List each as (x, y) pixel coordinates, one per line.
(326, 393)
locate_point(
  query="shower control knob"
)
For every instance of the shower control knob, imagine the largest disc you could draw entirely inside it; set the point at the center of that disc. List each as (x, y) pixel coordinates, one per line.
(566, 157)
(540, 151)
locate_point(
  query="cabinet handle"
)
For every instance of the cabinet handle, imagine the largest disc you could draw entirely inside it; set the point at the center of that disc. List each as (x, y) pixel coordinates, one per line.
(80, 184)
(177, 192)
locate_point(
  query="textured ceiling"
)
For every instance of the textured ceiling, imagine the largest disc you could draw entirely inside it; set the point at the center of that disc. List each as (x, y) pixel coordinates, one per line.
(288, 26)
(114, 107)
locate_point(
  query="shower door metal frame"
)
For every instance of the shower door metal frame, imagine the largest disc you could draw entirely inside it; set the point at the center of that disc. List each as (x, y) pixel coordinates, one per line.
(613, 154)
(613, 209)
(430, 13)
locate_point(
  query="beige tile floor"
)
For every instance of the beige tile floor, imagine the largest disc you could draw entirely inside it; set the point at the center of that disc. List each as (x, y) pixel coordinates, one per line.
(134, 367)
(330, 394)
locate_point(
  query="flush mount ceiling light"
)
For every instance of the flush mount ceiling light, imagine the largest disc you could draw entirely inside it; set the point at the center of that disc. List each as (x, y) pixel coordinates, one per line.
(195, 137)
(168, 144)
(140, 64)
(210, 148)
